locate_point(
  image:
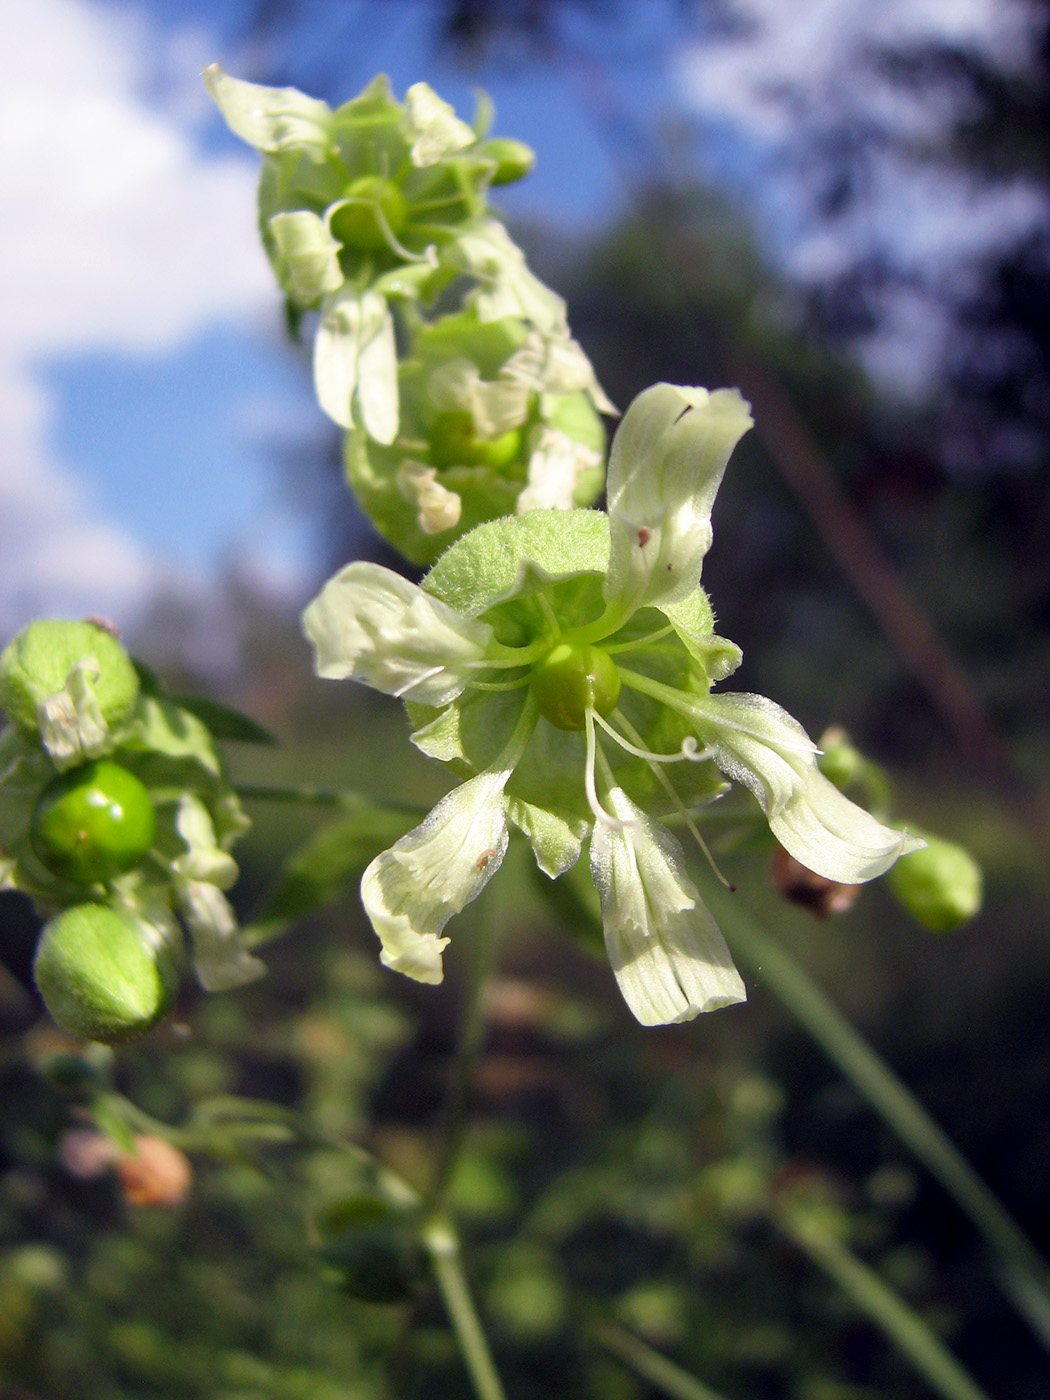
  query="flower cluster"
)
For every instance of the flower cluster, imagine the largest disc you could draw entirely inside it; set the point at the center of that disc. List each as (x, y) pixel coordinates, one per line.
(117, 819)
(562, 664)
(382, 204)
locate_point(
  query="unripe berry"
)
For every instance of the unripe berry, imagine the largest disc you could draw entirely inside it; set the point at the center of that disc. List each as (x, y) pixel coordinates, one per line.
(940, 886)
(573, 678)
(35, 666)
(356, 224)
(454, 442)
(93, 823)
(102, 974)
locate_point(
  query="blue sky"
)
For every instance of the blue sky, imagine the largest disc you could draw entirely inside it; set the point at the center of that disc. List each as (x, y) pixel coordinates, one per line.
(144, 377)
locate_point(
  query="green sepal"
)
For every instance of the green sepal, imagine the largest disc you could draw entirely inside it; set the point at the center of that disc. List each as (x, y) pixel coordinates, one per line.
(320, 870)
(556, 839)
(36, 665)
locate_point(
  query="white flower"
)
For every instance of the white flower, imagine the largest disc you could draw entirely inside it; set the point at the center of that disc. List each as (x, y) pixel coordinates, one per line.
(370, 624)
(758, 744)
(437, 508)
(665, 467)
(555, 467)
(412, 890)
(669, 958)
(486, 251)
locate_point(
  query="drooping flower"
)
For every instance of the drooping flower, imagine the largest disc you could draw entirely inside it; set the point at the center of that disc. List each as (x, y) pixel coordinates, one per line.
(569, 666)
(379, 202)
(494, 418)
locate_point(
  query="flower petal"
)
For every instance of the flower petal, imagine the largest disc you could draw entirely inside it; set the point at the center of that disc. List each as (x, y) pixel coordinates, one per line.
(668, 956)
(758, 744)
(434, 128)
(665, 467)
(220, 959)
(271, 119)
(308, 253)
(354, 352)
(486, 251)
(369, 624)
(555, 468)
(412, 890)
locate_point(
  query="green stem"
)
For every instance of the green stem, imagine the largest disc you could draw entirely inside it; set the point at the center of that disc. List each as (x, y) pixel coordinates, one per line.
(441, 1242)
(1027, 1281)
(900, 1322)
(651, 1365)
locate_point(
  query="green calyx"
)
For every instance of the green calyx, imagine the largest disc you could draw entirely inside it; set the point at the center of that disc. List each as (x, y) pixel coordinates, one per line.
(103, 974)
(940, 886)
(573, 678)
(37, 664)
(93, 823)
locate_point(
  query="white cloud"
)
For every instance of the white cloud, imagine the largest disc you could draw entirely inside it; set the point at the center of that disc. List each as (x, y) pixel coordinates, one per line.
(789, 75)
(115, 234)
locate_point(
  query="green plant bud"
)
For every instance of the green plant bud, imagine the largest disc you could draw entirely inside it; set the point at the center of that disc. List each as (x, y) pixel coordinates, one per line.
(356, 224)
(93, 822)
(454, 442)
(103, 974)
(940, 886)
(513, 158)
(369, 1250)
(36, 664)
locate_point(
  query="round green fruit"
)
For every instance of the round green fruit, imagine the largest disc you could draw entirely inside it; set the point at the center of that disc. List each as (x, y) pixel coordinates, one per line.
(357, 224)
(35, 666)
(93, 823)
(103, 974)
(573, 678)
(455, 442)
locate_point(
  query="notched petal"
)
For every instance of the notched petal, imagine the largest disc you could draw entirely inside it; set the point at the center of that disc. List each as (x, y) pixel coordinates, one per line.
(271, 119)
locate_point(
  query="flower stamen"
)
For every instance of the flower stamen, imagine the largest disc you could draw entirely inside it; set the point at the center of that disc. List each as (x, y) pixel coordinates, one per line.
(593, 752)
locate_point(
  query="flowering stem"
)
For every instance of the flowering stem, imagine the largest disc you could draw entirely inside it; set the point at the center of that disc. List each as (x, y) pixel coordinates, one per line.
(1026, 1278)
(651, 1365)
(442, 1244)
(885, 1308)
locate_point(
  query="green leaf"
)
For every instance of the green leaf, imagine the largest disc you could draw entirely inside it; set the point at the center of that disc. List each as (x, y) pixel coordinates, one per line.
(319, 871)
(224, 721)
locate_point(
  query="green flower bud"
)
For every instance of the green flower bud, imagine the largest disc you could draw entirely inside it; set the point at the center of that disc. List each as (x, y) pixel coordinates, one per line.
(371, 202)
(514, 160)
(839, 761)
(940, 886)
(573, 678)
(104, 975)
(93, 822)
(36, 664)
(369, 1250)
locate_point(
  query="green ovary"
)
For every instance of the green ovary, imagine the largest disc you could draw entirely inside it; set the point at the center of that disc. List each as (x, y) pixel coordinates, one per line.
(454, 442)
(93, 823)
(357, 224)
(573, 678)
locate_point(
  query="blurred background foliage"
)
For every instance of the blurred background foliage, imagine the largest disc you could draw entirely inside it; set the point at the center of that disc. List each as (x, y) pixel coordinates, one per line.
(882, 559)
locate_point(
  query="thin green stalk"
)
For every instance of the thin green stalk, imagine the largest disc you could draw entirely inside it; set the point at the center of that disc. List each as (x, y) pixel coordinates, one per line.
(651, 1365)
(318, 797)
(1027, 1280)
(885, 1308)
(442, 1244)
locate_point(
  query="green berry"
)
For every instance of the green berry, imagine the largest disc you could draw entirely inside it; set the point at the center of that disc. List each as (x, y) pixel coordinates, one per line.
(940, 886)
(573, 678)
(454, 442)
(93, 823)
(102, 974)
(36, 664)
(513, 158)
(356, 224)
